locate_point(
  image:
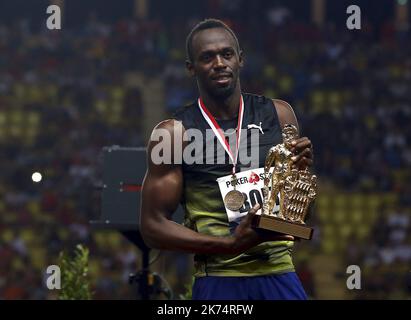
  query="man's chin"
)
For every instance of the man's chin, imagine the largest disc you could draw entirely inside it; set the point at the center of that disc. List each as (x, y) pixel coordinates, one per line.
(222, 92)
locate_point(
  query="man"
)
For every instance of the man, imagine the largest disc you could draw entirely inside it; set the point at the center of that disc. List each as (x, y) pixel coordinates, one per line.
(232, 259)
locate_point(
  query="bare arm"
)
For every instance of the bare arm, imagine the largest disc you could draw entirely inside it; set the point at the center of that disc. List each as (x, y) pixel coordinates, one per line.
(285, 113)
(302, 147)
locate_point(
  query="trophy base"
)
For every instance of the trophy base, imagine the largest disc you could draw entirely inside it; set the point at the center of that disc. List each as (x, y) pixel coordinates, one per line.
(283, 226)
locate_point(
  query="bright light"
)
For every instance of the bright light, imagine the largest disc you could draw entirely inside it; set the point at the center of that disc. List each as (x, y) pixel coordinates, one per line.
(402, 2)
(36, 177)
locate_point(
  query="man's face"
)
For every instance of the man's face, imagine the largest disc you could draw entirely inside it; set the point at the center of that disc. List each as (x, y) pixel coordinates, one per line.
(216, 62)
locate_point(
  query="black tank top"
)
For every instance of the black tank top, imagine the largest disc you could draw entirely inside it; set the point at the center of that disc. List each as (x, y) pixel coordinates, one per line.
(204, 208)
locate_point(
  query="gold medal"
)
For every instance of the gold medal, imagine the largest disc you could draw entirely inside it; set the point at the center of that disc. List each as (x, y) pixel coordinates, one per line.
(234, 200)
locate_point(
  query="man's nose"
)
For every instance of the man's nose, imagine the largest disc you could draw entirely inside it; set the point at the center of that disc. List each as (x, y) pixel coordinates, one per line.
(219, 62)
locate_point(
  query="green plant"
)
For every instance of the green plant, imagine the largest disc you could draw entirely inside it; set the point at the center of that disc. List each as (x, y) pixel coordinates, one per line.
(188, 295)
(75, 283)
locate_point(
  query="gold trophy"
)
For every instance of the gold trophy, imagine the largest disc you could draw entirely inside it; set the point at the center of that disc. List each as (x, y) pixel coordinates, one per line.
(296, 190)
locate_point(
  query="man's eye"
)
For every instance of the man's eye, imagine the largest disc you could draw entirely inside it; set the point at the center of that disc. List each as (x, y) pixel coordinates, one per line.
(228, 54)
(206, 57)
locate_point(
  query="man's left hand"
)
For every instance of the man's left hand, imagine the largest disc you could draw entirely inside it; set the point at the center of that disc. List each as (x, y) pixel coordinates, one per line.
(303, 153)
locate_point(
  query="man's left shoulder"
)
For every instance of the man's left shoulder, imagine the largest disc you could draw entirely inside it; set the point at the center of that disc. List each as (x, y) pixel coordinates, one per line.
(285, 112)
(282, 105)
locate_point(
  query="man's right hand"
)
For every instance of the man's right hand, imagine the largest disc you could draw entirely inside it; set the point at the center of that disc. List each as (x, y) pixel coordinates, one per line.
(246, 237)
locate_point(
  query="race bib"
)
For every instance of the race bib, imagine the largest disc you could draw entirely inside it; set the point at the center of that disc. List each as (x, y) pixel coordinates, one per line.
(251, 184)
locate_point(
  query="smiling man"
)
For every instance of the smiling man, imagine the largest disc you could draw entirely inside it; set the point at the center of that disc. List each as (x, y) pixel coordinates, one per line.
(232, 259)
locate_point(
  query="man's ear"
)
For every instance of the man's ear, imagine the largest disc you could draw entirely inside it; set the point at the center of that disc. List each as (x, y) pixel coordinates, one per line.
(241, 58)
(190, 68)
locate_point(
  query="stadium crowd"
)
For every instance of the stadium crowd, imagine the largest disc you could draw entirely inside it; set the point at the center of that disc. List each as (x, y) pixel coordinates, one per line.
(63, 98)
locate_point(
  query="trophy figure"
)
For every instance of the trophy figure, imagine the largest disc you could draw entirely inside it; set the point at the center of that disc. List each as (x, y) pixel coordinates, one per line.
(296, 189)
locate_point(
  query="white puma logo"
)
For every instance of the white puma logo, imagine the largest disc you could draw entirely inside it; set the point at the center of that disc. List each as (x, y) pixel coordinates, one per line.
(254, 126)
